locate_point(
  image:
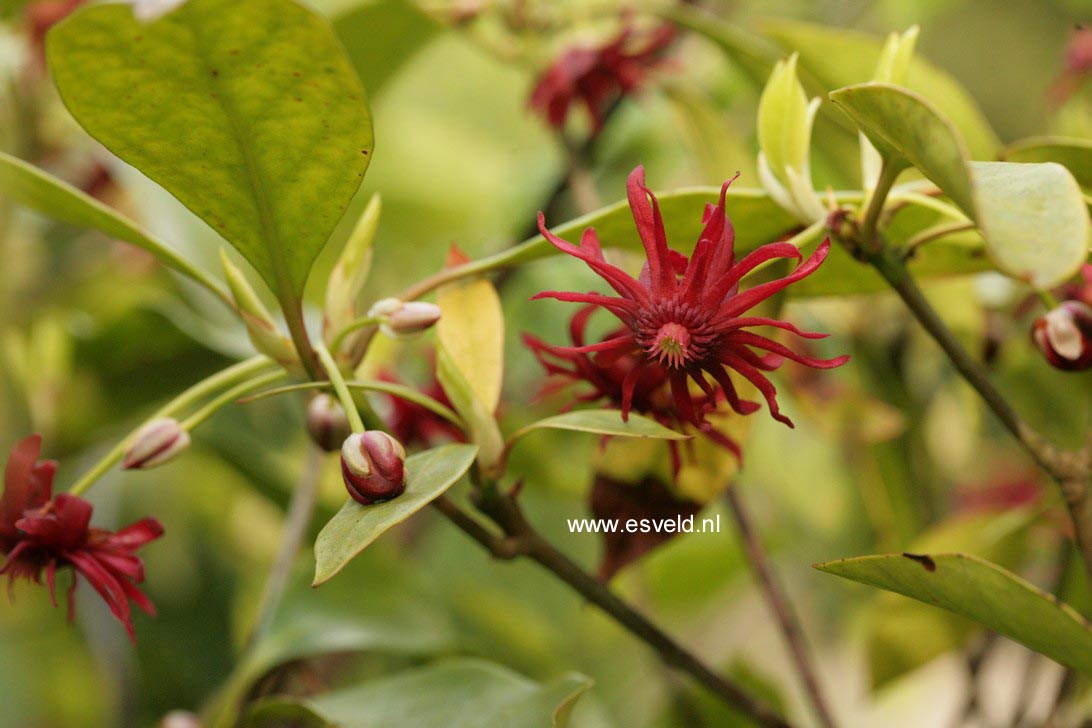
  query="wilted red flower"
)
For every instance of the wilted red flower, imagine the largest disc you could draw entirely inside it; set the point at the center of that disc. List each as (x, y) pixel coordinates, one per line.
(685, 316)
(597, 75)
(649, 499)
(41, 533)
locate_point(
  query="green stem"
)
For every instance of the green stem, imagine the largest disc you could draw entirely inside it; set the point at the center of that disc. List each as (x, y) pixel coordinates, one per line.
(339, 338)
(342, 390)
(189, 397)
(1047, 298)
(888, 174)
(230, 396)
(933, 233)
(297, 329)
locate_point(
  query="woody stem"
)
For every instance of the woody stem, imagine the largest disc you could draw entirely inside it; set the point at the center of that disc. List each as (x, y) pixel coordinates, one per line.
(520, 538)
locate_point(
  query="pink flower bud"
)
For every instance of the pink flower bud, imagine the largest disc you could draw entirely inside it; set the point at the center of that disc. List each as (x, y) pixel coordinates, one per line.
(1063, 335)
(373, 465)
(401, 319)
(157, 442)
(327, 423)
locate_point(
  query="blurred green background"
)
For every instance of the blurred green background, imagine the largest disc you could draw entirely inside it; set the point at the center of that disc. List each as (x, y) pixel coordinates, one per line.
(888, 450)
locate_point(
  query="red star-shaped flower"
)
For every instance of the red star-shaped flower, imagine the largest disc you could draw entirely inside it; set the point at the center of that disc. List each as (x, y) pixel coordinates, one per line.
(686, 317)
(41, 533)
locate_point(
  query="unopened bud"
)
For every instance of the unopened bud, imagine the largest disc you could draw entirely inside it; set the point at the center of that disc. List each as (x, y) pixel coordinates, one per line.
(327, 422)
(1064, 335)
(157, 442)
(403, 320)
(260, 327)
(373, 465)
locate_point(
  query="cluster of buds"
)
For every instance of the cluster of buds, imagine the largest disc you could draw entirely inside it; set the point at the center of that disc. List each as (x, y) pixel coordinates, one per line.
(400, 319)
(1064, 335)
(373, 465)
(157, 442)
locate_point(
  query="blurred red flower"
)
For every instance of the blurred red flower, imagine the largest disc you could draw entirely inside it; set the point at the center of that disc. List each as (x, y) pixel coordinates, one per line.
(598, 75)
(40, 533)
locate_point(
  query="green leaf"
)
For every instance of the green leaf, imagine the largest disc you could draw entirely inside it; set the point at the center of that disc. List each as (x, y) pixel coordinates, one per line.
(30, 186)
(903, 634)
(456, 693)
(983, 592)
(247, 111)
(481, 425)
(428, 475)
(603, 422)
(837, 57)
(471, 331)
(1032, 216)
(1073, 154)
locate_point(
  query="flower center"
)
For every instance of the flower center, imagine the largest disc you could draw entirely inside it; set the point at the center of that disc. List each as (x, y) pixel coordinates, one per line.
(671, 345)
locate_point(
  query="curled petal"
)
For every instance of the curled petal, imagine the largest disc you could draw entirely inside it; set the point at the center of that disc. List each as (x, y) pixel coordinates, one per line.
(650, 226)
(749, 298)
(618, 279)
(761, 342)
(752, 260)
(764, 385)
(740, 323)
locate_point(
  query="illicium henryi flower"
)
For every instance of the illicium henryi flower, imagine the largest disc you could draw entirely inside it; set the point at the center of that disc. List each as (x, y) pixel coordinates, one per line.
(597, 75)
(687, 317)
(41, 533)
(1064, 335)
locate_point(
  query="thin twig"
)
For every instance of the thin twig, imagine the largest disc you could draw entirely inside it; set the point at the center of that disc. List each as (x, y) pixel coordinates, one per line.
(296, 523)
(779, 605)
(520, 538)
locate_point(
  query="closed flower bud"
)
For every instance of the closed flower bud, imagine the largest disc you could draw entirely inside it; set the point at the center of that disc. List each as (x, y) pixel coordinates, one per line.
(373, 465)
(327, 423)
(1064, 335)
(403, 320)
(157, 442)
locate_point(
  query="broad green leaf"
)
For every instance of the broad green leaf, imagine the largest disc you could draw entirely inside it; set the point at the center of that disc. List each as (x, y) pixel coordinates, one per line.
(837, 57)
(603, 422)
(481, 424)
(1032, 216)
(457, 693)
(903, 634)
(30, 186)
(471, 331)
(1073, 154)
(247, 111)
(983, 592)
(428, 475)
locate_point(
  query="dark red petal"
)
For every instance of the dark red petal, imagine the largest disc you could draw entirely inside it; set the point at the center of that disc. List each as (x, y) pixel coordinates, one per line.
(51, 580)
(628, 385)
(138, 597)
(73, 515)
(764, 385)
(618, 279)
(27, 483)
(740, 303)
(650, 226)
(107, 585)
(684, 405)
(742, 406)
(772, 251)
(723, 440)
(749, 338)
(617, 306)
(137, 534)
(739, 323)
(621, 343)
(122, 563)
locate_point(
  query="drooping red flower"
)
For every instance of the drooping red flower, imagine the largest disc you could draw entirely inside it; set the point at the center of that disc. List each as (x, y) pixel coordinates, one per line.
(597, 75)
(687, 316)
(41, 533)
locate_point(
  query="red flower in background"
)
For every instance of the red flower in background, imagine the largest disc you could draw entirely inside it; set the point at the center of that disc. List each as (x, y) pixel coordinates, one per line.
(1078, 66)
(685, 317)
(411, 424)
(598, 75)
(41, 533)
(42, 15)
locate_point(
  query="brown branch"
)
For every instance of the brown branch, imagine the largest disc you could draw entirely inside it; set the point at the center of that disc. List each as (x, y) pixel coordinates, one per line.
(779, 605)
(520, 538)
